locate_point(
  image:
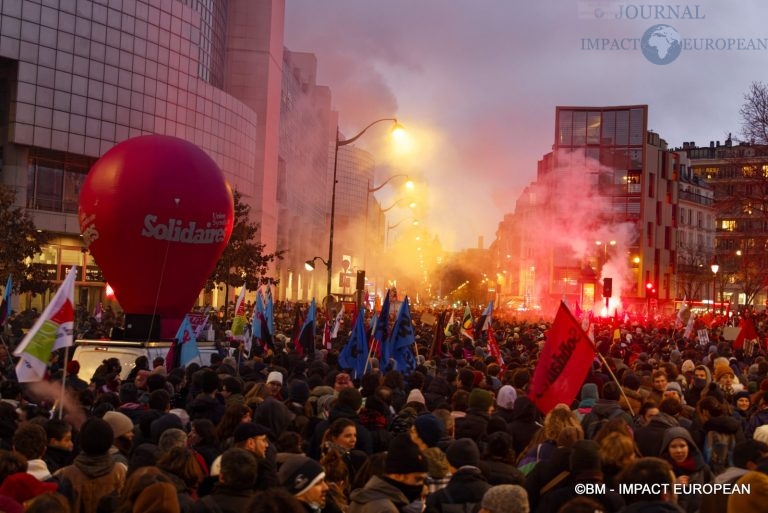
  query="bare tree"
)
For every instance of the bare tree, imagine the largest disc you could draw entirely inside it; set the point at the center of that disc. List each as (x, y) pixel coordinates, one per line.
(754, 114)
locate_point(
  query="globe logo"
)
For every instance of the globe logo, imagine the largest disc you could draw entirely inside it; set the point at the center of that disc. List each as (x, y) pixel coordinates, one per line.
(599, 13)
(661, 44)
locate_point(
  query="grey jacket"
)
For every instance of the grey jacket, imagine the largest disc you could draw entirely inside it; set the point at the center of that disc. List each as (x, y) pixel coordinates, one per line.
(377, 496)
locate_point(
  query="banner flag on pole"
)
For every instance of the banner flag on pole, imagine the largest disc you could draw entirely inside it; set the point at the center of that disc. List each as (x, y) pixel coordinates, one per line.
(337, 323)
(563, 364)
(381, 329)
(239, 321)
(436, 351)
(402, 340)
(256, 319)
(5, 305)
(467, 324)
(269, 311)
(746, 334)
(307, 335)
(355, 353)
(449, 325)
(51, 331)
(187, 341)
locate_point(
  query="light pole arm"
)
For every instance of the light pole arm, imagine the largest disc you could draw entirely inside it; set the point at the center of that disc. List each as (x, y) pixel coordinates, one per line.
(383, 184)
(344, 142)
(393, 205)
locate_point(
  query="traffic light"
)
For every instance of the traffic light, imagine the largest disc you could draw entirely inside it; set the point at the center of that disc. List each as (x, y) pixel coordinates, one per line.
(607, 287)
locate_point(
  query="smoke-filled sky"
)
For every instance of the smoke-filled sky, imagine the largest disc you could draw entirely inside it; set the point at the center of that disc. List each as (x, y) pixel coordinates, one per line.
(476, 84)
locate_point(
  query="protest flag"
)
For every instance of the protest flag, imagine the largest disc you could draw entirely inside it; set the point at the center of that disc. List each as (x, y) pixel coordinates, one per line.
(436, 351)
(269, 311)
(187, 341)
(449, 325)
(298, 323)
(5, 305)
(51, 331)
(467, 324)
(327, 335)
(402, 340)
(746, 334)
(337, 323)
(307, 335)
(563, 364)
(256, 318)
(381, 328)
(354, 355)
(239, 321)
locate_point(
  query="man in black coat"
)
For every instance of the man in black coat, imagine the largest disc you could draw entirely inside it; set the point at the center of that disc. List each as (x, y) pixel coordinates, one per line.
(234, 490)
(467, 485)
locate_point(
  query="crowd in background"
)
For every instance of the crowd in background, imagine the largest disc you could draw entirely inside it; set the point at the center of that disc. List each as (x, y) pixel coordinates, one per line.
(288, 431)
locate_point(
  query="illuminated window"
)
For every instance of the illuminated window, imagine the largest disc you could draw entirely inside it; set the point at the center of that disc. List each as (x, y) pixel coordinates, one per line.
(728, 225)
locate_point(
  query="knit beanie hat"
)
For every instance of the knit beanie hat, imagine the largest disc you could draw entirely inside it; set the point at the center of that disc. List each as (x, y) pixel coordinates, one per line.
(674, 386)
(480, 399)
(463, 452)
(588, 395)
(722, 370)
(404, 456)
(22, 487)
(298, 391)
(631, 381)
(754, 501)
(157, 498)
(165, 422)
(688, 366)
(299, 473)
(506, 397)
(275, 376)
(96, 437)
(585, 456)
(506, 497)
(119, 422)
(415, 396)
(429, 428)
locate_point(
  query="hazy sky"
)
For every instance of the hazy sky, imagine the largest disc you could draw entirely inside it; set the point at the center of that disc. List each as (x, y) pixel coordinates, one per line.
(477, 81)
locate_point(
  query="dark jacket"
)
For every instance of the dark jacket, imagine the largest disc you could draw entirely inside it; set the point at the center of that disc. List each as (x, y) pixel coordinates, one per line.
(228, 500)
(649, 437)
(759, 418)
(524, 424)
(364, 439)
(466, 486)
(652, 507)
(499, 472)
(701, 474)
(603, 409)
(206, 407)
(552, 500)
(377, 496)
(473, 425)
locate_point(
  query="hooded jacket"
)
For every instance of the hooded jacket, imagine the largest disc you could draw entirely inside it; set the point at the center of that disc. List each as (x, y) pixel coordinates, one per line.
(649, 437)
(700, 474)
(377, 496)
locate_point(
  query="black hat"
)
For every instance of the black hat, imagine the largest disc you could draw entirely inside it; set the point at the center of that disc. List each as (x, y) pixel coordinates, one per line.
(246, 430)
(299, 473)
(298, 391)
(463, 452)
(404, 456)
(429, 428)
(96, 437)
(585, 456)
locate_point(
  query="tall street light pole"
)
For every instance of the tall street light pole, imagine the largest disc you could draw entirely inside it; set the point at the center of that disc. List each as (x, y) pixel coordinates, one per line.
(339, 143)
(714, 267)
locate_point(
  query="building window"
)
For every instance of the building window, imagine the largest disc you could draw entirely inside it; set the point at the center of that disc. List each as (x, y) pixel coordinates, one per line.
(54, 180)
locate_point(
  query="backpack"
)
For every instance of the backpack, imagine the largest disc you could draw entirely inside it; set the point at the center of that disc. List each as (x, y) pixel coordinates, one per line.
(596, 422)
(718, 450)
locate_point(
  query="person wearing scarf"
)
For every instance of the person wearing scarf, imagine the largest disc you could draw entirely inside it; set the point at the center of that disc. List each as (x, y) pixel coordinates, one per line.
(94, 473)
(687, 464)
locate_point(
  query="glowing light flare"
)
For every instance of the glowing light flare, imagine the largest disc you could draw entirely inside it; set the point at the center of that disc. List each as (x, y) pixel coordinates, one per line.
(109, 291)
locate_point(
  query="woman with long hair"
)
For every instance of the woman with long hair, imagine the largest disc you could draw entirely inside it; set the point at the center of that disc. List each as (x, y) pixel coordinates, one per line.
(234, 415)
(203, 439)
(341, 461)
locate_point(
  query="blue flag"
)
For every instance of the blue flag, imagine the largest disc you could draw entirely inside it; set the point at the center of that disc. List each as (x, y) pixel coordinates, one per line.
(187, 342)
(402, 340)
(5, 304)
(307, 335)
(355, 353)
(381, 328)
(269, 311)
(255, 319)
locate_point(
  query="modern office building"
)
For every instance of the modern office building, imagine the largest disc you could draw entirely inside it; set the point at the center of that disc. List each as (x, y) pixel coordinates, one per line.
(79, 76)
(604, 204)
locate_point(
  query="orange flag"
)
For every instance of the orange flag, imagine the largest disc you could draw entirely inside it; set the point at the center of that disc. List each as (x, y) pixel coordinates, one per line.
(563, 363)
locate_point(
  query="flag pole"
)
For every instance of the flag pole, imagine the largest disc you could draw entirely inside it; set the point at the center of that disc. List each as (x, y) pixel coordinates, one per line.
(368, 359)
(63, 382)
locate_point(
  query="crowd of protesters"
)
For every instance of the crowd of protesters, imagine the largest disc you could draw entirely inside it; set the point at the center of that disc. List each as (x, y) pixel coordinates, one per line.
(285, 431)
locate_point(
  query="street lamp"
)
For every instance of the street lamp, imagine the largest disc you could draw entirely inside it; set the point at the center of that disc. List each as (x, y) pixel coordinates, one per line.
(309, 265)
(339, 143)
(605, 248)
(393, 226)
(714, 268)
(412, 204)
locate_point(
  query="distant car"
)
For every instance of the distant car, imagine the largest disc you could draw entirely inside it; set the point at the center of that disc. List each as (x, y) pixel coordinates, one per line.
(91, 353)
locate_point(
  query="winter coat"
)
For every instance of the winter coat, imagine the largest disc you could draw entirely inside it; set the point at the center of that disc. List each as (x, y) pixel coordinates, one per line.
(377, 496)
(649, 437)
(701, 474)
(524, 424)
(227, 499)
(500, 472)
(89, 479)
(466, 486)
(472, 426)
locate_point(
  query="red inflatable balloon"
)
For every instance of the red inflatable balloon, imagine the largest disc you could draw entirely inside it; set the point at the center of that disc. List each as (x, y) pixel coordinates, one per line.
(156, 213)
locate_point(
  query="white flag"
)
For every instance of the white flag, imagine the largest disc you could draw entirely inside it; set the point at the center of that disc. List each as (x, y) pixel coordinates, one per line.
(52, 330)
(238, 323)
(337, 323)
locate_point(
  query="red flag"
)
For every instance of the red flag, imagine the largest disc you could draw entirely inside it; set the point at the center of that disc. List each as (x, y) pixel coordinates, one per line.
(298, 322)
(493, 348)
(747, 332)
(327, 335)
(563, 364)
(436, 351)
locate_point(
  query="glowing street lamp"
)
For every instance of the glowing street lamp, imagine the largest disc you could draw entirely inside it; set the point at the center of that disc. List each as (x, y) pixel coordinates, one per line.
(714, 267)
(398, 132)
